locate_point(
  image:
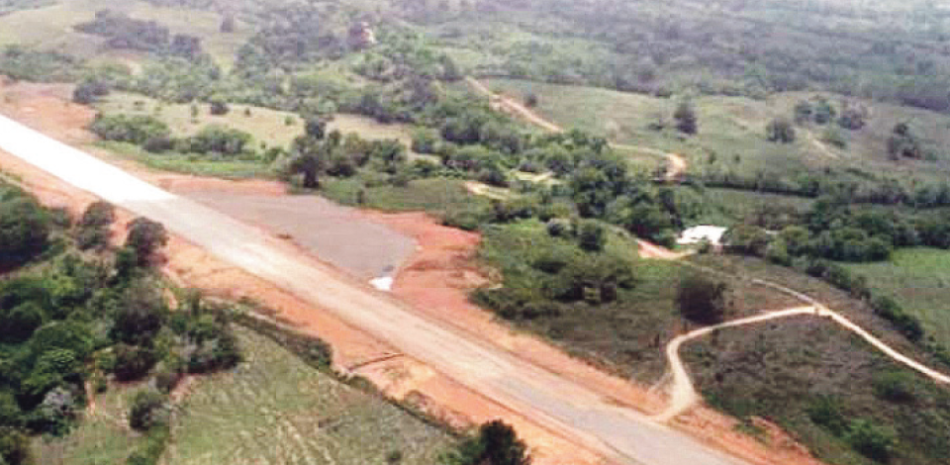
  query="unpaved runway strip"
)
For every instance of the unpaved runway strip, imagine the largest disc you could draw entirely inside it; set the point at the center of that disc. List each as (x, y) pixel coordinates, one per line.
(546, 399)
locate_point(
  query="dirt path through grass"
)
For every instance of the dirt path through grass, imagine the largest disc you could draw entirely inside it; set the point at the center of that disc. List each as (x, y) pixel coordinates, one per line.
(683, 394)
(676, 164)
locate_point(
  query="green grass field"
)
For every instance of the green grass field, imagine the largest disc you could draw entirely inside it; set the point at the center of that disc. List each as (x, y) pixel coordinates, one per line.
(176, 163)
(101, 438)
(732, 129)
(919, 279)
(51, 28)
(275, 409)
(265, 125)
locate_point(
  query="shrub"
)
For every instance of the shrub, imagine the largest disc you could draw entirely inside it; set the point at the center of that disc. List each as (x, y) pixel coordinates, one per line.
(495, 444)
(132, 362)
(780, 130)
(686, 120)
(149, 409)
(559, 227)
(834, 137)
(18, 324)
(826, 412)
(591, 236)
(894, 386)
(870, 440)
(24, 231)
(93, 228)
(132, 129)
(14, 446)
(219, 106)
(701, 299)
(145, 238)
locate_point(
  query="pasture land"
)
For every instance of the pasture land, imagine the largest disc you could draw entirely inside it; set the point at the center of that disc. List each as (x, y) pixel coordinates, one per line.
(51, 28)
(732, 129)
(271, 127)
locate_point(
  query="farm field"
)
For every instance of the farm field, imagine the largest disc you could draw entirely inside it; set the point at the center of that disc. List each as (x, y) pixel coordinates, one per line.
(919, 279)
(275, 409)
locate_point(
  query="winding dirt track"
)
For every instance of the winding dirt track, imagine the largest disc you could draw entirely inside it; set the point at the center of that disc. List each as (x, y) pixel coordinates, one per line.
(683, 394)
(676, 164)
(554, 402)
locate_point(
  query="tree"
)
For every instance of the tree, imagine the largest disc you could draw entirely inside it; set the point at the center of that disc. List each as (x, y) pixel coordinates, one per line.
(869, 440)
(591, 236)
(14, 446)
(496, 444)
(853, 117)
(219, 106)
(93, 227)
(24, 231)
(686, 119)
(315, 128)
(701, 299)
(531, 100)
(88, 91)
(824, 112)
(903, 143)
(140, 315)
(308, 159)
(149, 409)
(227, 24)
(18, 323)
(803, 112)
(780, 130)
(145, 238)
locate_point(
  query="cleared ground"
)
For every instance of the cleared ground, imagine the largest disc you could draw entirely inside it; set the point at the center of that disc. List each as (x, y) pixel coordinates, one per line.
(275, 409)
(334, 233)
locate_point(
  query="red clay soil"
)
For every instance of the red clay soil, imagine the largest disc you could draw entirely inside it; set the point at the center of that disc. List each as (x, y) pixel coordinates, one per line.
(435, 281)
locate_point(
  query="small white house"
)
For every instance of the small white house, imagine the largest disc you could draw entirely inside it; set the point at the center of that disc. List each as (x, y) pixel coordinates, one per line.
(695, 235)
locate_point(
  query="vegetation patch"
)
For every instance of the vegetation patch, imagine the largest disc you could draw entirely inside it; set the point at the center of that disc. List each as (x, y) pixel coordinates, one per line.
(275, 407)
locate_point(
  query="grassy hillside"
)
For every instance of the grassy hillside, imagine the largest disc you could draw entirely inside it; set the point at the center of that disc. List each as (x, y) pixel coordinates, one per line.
(51, 28)
(920, 280)
(732, 129)
(273, 127)
(103, 436)
(274, 409)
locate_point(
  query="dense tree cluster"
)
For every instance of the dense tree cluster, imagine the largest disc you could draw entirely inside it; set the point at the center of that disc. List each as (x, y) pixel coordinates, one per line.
(495, 444)
(155, 136)
(148, 36)
(19, 62)
(86, 318)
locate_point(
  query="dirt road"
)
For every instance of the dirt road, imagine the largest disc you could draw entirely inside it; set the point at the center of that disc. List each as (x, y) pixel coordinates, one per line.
(547, 399)
(683, 394)
(676, 164)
